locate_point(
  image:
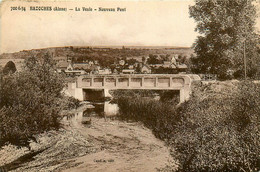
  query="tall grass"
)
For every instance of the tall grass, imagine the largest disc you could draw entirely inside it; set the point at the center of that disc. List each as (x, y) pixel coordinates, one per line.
(154, 114)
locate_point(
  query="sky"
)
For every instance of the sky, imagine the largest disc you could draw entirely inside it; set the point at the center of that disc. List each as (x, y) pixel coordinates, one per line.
(144, 23)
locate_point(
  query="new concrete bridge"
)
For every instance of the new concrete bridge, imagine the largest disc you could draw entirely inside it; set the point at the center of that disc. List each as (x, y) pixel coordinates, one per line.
(179, 82)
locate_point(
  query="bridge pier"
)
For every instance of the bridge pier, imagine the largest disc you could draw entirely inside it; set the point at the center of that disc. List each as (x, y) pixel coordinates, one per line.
(182, 96)
(74, 91)
(106, 93)
(79, 94)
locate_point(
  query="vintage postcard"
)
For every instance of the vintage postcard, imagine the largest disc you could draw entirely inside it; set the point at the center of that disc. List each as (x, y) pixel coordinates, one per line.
(129, 85)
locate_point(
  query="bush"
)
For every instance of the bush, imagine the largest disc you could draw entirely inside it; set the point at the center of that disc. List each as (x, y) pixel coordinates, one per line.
(220, 132)
(29, 101)
(70, 103)
(9, 68)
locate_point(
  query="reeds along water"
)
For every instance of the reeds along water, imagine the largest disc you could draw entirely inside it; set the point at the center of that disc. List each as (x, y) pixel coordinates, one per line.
(154, 114)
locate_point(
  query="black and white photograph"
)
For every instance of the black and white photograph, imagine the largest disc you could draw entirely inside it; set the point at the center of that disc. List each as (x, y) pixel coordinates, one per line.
(130, 86)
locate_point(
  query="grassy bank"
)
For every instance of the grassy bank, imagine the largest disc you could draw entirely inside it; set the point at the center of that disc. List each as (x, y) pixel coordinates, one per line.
(52, 151)
(216, 130)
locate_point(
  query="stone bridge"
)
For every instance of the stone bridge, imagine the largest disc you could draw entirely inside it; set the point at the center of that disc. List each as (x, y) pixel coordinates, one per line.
(179, 82)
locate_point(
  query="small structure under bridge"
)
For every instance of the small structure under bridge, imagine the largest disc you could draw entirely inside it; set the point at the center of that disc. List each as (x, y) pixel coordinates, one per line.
(181, 82)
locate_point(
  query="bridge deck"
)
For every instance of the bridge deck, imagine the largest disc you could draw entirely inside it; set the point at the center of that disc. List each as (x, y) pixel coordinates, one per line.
(134, 81)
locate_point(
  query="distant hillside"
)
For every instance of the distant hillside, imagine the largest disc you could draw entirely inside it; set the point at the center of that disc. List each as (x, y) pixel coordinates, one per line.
(103, 51)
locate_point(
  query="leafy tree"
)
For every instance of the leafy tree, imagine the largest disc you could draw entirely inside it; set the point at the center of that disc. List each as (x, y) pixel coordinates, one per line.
(29, 100)
(9, 68)
(153, 59)
(138, 68)
(131, 61)
(182, 59)
(225, 27)
(143, 59)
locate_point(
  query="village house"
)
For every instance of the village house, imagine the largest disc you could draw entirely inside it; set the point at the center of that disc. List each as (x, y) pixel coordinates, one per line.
(146, 69)
(173, 60)
(115, 71)
(121, 62)
(138, 59)
(58, 59)
(69, 68)
(95, 62)
(182, 67)
(166, 64)
(131, 67)
(91, 63)
(75, 72)
(156, 65)
(128, 71)
(82, 66)
(62, 66)
(105, 71)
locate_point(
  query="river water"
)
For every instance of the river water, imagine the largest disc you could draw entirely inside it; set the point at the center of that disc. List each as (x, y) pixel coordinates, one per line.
(105, 109)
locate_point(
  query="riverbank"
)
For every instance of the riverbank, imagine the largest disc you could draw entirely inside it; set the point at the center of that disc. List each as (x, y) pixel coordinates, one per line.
(105, 145)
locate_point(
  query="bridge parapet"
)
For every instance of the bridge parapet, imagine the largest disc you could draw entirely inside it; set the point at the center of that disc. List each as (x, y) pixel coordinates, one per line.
(138, 81)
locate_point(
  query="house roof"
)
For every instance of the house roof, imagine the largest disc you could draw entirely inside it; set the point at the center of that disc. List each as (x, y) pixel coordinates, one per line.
(137, 58)
(60, 58)
(62, 64)
(128, 70)
(166, 62)
(182, 66)
(81, 66)
(148, 67)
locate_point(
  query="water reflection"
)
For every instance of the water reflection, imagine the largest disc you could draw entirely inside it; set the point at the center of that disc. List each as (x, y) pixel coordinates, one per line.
(101, 109)
(110, 109)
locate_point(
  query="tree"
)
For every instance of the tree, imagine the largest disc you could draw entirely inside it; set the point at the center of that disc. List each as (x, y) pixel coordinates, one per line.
(29, 100)
(153, 59)
(225, 27)
(131, 61)
(9, 68)
(143, 59)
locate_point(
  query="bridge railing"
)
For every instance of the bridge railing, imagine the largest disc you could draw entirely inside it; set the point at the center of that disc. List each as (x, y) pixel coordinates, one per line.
(133, 81)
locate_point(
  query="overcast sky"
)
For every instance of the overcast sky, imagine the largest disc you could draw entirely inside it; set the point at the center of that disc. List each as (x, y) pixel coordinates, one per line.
(156, 23)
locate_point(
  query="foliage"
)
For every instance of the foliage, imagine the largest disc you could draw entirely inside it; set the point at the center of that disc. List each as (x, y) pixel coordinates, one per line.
(225, 26)
(29, 101)
(9, 68)
(219, 132)
(131, 61)
(71, 103)
(165, 70)
(153, 59)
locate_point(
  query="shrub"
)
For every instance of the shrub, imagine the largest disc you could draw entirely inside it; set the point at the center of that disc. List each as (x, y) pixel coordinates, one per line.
(9, 68)
(29, 101)
(70, 103)
(220, 132)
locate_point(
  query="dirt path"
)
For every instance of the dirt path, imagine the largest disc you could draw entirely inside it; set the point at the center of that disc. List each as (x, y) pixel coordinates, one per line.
(121, 147)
